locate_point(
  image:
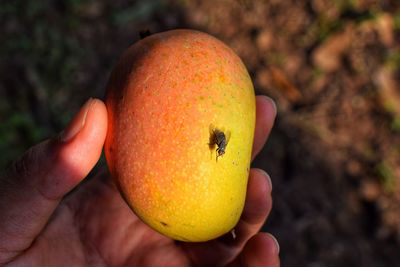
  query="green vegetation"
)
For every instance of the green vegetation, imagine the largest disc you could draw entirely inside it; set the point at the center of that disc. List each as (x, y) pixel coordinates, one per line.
(386, 175)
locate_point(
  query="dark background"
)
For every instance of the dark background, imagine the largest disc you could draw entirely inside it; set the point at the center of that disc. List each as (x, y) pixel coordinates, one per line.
(331, 65)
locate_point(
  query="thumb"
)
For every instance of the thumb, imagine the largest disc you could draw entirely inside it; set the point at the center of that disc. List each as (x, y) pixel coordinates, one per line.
(32, 187)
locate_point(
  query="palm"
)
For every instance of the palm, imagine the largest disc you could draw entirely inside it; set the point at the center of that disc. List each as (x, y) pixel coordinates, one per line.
(94, 226)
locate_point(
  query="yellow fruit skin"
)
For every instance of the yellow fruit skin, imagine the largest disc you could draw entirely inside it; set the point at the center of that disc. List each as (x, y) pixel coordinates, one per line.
(164, 95)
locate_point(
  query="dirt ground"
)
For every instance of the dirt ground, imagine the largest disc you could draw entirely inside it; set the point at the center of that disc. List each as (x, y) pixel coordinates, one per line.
(333, 68)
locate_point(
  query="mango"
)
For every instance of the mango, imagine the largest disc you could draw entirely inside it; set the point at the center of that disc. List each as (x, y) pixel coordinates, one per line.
(181, 110)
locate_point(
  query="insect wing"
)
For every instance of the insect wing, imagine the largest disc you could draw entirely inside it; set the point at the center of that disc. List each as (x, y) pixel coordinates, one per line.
(212, 139)
(212, 129)
(227, 136)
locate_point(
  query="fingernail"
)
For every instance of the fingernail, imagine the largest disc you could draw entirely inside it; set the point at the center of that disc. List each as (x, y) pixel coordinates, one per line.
(277, 247)
(268, 179)
(77, 123)
(273, 104)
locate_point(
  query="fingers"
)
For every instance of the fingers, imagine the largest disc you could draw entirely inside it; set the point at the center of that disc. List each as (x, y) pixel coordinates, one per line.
(31, 189)
(262, 250)
(265, 116)
(223, 250)
(257, 207)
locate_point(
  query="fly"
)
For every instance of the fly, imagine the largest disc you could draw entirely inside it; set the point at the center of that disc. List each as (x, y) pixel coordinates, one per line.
(220, 139)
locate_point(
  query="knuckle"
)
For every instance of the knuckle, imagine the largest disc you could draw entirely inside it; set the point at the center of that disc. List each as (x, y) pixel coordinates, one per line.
(25, 165)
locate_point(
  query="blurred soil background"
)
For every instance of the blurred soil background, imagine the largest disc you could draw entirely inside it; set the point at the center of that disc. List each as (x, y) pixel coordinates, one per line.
(333, 67)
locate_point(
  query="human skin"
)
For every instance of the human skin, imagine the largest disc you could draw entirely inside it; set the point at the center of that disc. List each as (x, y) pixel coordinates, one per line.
(48, 220)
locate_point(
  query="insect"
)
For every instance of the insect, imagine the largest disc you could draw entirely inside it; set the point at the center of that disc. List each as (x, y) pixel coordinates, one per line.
(220, 139)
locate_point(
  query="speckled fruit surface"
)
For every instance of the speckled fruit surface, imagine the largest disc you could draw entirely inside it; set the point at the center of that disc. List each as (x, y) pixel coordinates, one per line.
(166, 95)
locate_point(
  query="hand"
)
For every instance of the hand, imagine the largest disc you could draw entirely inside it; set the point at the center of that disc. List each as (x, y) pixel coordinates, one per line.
(44, 224)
